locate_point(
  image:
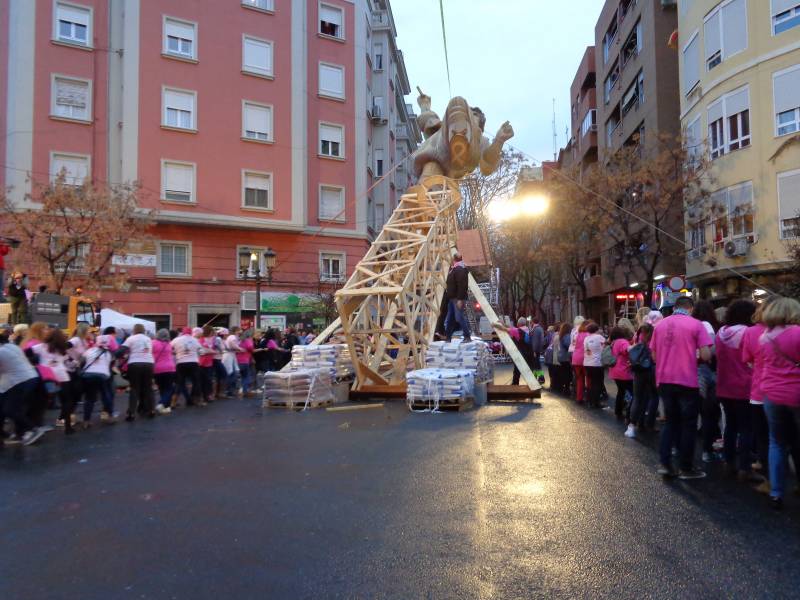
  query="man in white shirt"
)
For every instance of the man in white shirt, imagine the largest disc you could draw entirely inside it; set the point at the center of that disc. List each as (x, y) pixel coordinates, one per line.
(187, 366)
(140, 373)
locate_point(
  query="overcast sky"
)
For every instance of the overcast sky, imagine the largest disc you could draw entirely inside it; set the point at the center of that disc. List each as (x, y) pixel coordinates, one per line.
(509, 57)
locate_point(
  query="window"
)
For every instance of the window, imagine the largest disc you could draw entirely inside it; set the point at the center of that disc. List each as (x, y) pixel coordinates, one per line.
(177, 181)
(74, 166)
(71, 98)
(694, 142)
(179, 109)
(331, 203)
(260, 4)
(729, 123)
(732, 212)
(174, 259)
(378, 163)
(179, 38)
(331, 21)
(789, 203)
(378, 111)
(634, 96)
(380, 216)
(377, 54)
(256, 56)
(331, 140)
(256, 122)
(633, 45)
(589, 122)
(610, 82)
(257, 190)
(725, 31)
(786, 86)
(785, 15)
(331, 80)
(73, 253)
(697, 239)
(625, 7)
(608, 39)
(331, 266)
(691, 64)
(611, 127)
(73, 24)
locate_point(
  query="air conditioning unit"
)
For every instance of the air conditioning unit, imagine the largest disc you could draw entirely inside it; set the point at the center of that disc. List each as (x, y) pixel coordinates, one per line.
(737, 247)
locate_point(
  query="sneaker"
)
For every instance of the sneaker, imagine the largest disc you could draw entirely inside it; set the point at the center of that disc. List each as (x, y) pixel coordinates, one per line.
(718, 444)
(666, 471)
(31, 436)
(630, 432)
(691, 474)
(13, 440)
(161, 410)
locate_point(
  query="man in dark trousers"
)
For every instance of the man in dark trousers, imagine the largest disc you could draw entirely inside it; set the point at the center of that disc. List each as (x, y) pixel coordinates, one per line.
(538, 347)
(457, 283)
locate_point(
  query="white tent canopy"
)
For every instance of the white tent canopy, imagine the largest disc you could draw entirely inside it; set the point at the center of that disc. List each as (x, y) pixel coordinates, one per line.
(112, 318)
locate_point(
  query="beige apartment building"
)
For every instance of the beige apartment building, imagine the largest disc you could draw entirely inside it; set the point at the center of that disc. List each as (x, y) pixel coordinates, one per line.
(740, 103)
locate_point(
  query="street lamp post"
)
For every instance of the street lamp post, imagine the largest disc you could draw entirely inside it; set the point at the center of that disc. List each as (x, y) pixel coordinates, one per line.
(254, 268)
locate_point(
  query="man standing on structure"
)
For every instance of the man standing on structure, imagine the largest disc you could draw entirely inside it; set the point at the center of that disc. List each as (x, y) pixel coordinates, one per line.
(457, 283)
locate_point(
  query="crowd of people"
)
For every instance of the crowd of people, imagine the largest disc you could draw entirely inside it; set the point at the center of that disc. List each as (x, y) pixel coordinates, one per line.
(730, 374)
(42, 368)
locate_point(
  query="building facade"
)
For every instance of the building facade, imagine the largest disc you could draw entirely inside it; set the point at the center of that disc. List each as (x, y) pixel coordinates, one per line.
(249, 124)
(740, 103)
(581, 150)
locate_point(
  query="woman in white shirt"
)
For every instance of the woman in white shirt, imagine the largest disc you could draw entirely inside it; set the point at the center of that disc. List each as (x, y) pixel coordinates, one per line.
(96, 371)
(187, 366)
(53, 354)
(592, 349)
(140, 374)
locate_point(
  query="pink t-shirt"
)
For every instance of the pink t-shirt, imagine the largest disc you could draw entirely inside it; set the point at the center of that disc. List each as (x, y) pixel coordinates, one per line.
(734, 375)
(750, 354)
(675, 342)
(780, 350)
(621, 370)
(206, 358)
(163, 360)
(577, 356)
(243, 358)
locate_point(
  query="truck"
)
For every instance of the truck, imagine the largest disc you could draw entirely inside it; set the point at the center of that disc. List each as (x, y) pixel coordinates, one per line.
(58, 310)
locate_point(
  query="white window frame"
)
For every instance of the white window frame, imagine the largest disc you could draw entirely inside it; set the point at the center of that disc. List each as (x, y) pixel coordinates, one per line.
(330, 93)
(341, 216)
(382, 47)
(165, 51)
(796, 121)
(694, 38)
(187, 244)
(86, 157)
(193, 93)
(342, 154)
(333, 254)
(89, 27)
(729, 216)
(340, 37)
(726, 133)
(270, 199)
(193, 193)
(723, 54)
(89, 107)
(793, 14)
(270, 135)
(781, 231)
(245, 248)
(268, 8)
(268, 73)
(696, 149)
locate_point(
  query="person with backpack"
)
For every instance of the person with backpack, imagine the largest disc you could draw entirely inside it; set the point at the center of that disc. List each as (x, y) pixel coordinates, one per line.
(645, 397)
(592, 351)
(615, 357)
(95, 373)
(550, 359)
(678, 341)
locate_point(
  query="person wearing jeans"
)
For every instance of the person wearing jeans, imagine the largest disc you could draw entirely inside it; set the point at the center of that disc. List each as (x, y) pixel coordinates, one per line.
(592, 350)
(19, 384)
(187, 357)
(140, 373)
(457, 284)
(677, 342)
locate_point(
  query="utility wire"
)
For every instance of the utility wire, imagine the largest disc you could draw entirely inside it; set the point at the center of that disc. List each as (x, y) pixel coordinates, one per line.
(444, 40)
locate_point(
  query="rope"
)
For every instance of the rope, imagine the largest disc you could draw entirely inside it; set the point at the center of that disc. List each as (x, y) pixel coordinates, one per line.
(444, 40)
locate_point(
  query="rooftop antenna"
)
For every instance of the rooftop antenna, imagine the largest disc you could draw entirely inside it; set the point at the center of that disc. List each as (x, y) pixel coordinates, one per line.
(555, 135)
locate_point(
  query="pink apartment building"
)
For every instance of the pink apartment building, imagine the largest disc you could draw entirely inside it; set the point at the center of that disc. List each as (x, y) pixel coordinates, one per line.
(250, 124)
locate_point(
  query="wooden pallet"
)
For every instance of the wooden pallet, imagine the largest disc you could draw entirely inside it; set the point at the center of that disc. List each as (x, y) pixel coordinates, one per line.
(445, 406)
(512, 394)
(298, 404)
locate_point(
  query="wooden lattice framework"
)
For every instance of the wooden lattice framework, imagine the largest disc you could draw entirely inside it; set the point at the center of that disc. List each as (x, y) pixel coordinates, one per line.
(388, 307)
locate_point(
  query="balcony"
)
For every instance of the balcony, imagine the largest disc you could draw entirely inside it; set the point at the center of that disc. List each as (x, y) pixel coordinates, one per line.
(402, 131)
(380, 19)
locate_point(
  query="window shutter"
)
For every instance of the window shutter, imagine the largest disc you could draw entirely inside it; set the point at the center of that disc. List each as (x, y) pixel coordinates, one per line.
(256, 118)
(258, 55)
(330, 15)
(179, 100)
(331, 80)
(734, 27)
(73, 15)
(179, 30)
(178, 178)
(714, 111)
(71, 93)
(711, 33)
(330, 133)
(330, 203)
(76, 169)
(741, 196)
(789, 196)
(787, 90)
(256, 182)
(737, 102)
(691, 64)
(779, 6)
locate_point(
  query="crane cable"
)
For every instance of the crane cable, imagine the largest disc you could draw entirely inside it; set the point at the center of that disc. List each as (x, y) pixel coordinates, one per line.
(444, 40)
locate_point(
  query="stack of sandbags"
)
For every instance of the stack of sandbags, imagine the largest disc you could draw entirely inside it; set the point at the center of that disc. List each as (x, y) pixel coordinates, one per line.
(474, 356)
(308, 387)
(433, 387)
(334, 357)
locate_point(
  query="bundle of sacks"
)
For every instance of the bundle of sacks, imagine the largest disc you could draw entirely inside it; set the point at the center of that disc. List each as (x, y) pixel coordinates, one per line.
(434, 386)
(334, 357)
(302, 386)
(474, 356)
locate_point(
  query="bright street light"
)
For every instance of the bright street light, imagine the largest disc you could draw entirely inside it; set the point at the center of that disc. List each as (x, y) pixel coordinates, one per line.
(533, 205)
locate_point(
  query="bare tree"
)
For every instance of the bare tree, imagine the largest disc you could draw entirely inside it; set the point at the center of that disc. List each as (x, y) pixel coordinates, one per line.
(74, 232)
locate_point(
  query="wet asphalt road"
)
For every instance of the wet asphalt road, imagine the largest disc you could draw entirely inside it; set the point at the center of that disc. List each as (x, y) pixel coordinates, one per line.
(545, 501)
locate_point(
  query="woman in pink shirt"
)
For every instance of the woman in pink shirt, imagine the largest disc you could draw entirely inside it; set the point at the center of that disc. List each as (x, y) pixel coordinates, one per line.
(621, 371)
(779, 347)
(758, 418)
(734, 377)
(207, 353)
(163, 371)
(579, 335)
(244, 358)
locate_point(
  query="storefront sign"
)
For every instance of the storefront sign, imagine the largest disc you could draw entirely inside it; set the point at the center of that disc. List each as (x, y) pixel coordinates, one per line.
(277, 302)
(134, 260)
